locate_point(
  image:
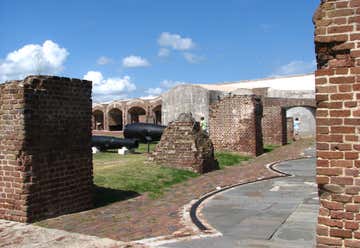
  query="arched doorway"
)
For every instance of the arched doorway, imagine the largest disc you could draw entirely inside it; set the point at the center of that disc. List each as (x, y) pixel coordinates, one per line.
(115, 120)
(306, 117)
(136, 114)
(98, 116)
(157, 115)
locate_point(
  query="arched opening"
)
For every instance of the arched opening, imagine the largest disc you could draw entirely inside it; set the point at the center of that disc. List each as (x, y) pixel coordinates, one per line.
(157, 115)
(98, 123)
(115, 120)
(306, 120)
(137, 114)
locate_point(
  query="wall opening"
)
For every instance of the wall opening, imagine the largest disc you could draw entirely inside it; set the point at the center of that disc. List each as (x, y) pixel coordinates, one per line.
(115, 120)
(157, 115)
(306, 117)
(98, 116)
(137, 114)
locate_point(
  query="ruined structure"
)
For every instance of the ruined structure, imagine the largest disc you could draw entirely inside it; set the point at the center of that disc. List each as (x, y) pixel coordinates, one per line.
(115, 115)
(235, 124)
(45, 148)
(279, 103)
(337, 40)
(184, 145)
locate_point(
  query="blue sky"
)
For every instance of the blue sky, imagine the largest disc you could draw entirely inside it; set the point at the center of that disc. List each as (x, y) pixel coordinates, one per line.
(137, 48)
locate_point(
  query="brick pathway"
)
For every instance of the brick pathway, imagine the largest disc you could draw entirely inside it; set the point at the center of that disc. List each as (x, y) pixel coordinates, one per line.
(142, 217)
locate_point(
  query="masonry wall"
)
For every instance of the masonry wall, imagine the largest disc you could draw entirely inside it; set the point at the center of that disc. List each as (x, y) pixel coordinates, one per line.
(337, 40)
(235, 124)
(274, 120)
(289, 129)
(45, 148)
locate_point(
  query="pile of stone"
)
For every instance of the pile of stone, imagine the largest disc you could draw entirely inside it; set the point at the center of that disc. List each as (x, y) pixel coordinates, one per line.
(184, 145)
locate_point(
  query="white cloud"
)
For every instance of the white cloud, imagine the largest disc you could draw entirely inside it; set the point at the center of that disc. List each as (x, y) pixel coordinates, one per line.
(175, 41)
(135, 61)
(163, 52)
(295, 67)
(103, 60)
(193, 58)
(110, 88)
(48, 58)
(170, 83)
(154, 91)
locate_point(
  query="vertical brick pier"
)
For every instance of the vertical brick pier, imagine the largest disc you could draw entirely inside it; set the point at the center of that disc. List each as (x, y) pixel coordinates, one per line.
(235, 124)
(337, 40)
(45, 148)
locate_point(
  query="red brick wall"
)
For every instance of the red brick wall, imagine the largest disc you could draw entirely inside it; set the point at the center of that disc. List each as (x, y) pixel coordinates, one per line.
(337, 39)
(274, 125)
(184, 145)
(235, 124)
(45, 148)
(289, 129)
(274, 119)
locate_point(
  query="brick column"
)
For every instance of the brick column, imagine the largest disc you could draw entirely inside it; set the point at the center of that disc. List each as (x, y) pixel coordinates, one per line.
(337, 34)
(45, 148)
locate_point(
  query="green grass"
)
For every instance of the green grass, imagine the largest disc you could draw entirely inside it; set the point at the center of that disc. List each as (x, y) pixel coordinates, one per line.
(270, 147)
(119, 177)
(229, 159)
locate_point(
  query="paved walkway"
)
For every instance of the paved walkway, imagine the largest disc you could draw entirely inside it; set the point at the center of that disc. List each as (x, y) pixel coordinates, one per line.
(279, 212)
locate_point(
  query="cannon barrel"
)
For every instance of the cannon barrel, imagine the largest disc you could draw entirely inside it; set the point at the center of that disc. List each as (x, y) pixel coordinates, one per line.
(105, 142)
(144, 132)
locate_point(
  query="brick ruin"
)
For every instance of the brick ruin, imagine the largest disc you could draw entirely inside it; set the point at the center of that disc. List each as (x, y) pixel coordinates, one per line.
(114, 116)
(45, 148)
(184, 145)
(337, 42)
(235, 124)
(274, 122)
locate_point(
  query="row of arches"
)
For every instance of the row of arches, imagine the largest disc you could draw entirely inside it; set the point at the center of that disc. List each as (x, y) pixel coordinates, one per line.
(115, 119)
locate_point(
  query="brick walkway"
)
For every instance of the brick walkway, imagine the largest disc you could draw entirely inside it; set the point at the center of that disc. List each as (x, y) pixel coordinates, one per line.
(142, 217)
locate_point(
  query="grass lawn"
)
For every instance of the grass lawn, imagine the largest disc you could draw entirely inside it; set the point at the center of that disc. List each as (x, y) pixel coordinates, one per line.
(119, 177)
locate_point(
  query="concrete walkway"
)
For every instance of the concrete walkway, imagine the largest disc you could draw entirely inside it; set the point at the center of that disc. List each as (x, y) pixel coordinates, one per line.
(280, 212)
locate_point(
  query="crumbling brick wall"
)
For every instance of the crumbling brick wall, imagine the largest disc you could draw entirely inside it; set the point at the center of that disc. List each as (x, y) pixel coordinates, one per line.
(184, 145)
(274, 119)
(45, 148)
(337, 40)
(235, 124)
(289, 129)
(274, 126)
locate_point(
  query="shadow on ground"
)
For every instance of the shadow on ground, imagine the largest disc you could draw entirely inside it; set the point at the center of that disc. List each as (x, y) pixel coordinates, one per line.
(105, 196)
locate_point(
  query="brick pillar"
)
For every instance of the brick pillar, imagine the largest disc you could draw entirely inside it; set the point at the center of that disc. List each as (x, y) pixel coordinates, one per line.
(45, 148)
(274, 125)
(235, 124)
(337, 40)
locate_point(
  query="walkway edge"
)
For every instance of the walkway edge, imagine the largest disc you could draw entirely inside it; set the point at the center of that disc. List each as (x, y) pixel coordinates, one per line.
(199, 225)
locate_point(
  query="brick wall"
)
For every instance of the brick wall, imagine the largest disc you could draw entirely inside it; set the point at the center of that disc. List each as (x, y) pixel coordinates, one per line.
(337, 40)
(184, 145)
(274, 119)
(45, 148)
(274, 125)
(235, 124)
(289, 129)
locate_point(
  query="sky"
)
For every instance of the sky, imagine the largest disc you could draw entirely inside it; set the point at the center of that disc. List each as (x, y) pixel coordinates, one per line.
(141, 48)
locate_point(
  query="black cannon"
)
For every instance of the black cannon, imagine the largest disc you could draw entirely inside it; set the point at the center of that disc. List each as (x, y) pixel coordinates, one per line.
(144, 132)
(105, 142)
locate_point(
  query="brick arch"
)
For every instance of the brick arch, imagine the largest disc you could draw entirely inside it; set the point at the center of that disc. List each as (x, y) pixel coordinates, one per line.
(156, 114)
(306, 116)
(98, 117)
(137, 113)
(115, 119)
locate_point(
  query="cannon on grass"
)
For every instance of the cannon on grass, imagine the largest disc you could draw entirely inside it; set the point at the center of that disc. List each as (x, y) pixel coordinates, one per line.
(104, 143)
(144, 132)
